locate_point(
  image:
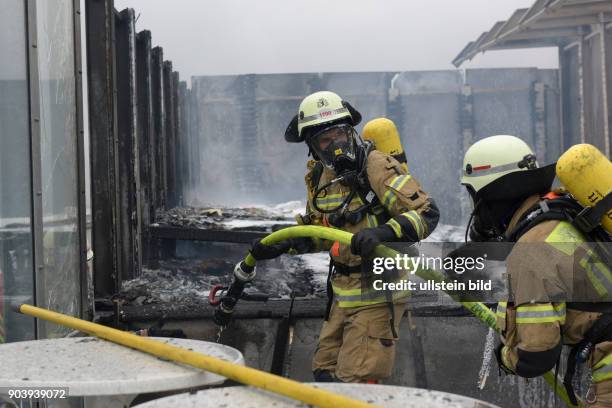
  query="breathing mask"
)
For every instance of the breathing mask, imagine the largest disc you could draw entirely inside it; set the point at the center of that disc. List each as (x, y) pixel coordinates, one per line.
(335, 146)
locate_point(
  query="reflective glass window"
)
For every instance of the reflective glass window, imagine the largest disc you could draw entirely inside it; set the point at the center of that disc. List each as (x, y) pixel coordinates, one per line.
(59, 158)
(16, 271)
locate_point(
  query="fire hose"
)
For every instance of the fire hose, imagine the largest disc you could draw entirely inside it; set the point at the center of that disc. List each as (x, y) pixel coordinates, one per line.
(244, 272)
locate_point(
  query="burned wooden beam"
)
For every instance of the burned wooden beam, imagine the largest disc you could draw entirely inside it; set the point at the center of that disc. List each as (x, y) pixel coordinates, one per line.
(198, 234)
(129, 160)
(100, 29)
(159, 125)
(302, 308)
(170, 136)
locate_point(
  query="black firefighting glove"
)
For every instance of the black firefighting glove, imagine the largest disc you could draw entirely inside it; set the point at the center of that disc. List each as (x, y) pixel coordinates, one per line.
(262, 251)
(365, 241)
(296, 245)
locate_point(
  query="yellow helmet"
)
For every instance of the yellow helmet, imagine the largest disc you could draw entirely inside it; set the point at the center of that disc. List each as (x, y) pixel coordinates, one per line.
(317, 110)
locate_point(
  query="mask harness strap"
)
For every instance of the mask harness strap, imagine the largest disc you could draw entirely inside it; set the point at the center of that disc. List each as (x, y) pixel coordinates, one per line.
(469, 224)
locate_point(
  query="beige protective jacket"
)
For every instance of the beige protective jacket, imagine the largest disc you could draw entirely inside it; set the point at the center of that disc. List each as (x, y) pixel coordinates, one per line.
(551, 267)
(404, 206)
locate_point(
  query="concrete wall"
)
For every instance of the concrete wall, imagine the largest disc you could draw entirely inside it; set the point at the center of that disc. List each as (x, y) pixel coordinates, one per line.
(245, 158)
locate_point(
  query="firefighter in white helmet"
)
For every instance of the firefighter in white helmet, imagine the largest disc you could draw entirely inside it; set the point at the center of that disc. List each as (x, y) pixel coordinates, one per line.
(353, 187)
(560, 290)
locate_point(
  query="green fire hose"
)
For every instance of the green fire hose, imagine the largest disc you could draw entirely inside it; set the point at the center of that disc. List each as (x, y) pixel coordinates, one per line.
(245, 271)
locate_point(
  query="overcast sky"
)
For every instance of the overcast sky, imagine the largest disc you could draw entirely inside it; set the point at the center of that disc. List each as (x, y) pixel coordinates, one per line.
(204, 37)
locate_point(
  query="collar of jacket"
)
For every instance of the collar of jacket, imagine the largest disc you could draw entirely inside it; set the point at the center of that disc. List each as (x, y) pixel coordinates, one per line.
(518, 214)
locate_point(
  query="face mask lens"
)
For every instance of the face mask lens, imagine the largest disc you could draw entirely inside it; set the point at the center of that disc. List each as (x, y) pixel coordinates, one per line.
(331, 136)
(333, 142)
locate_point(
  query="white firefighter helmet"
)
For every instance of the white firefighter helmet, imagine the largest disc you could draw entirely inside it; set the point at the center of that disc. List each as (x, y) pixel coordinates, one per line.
(317, 110)
(493, 157)
(320, 108)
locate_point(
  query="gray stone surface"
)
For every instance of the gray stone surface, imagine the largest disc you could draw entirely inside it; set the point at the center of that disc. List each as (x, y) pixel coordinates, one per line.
(89, 366)
(379, 395)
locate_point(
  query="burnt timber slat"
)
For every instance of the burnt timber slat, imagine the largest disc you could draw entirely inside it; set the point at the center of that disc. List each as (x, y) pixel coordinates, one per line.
(198, 234)
(302, 308)
(103, 151)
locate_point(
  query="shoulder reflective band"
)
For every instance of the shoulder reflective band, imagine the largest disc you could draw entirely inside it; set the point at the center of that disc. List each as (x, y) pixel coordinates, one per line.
(323, 115)
(488, 169)
(396, 184)
(598, 273)
(565, 238)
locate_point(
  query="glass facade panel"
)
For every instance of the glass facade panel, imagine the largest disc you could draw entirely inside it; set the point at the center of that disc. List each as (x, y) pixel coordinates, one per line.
(59, 155)
(16, 271)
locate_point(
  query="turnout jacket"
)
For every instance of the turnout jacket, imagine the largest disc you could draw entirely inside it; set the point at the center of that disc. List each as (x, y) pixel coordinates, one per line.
(403, 205)
(550, 268)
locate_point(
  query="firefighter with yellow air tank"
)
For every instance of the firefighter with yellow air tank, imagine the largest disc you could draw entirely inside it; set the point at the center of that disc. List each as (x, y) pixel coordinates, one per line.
(559, 277)
(355, 186)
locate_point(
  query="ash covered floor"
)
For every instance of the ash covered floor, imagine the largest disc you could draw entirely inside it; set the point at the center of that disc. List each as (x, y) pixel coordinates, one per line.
(198, 266)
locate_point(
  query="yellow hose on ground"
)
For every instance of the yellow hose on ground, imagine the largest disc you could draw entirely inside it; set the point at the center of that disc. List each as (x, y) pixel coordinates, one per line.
(244, 375)
(478, 309)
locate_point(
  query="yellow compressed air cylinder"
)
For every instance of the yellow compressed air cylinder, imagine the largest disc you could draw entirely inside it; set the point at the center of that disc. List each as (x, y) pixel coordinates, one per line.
(587, 174)
(383, 133)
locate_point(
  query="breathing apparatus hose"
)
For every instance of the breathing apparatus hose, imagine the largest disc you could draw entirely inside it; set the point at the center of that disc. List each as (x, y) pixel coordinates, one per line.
(343, 204)
(478, 309)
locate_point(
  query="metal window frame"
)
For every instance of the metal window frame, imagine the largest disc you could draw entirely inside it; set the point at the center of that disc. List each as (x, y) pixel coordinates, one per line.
(36, 217)
(36, 220)
(85, 310)
(605, 84)
(606, 60)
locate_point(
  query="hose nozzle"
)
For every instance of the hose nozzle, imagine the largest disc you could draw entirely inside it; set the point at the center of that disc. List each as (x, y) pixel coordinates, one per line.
(243, 274)
(223, 315)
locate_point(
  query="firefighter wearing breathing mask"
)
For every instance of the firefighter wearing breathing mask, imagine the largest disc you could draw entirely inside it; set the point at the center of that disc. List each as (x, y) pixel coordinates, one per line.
(356, 188)
(559, 281)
